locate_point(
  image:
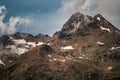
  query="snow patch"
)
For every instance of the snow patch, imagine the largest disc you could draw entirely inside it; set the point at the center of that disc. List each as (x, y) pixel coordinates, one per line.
(105, 29)
(33, 44)
(17, 50)
(1, 62)
(62, 60)
(40, 43)
(77, 26)
(98, 18)
(54, 59)
(21, 51)
(49, 44)
(83, 55)
(114, 48)
(11, 38)
(76, 44)
(100, 43)
(19, 41)
(67, 48)
(109, 68)
(26, 46)
(80, 57)
(49, 55)
(22, 41)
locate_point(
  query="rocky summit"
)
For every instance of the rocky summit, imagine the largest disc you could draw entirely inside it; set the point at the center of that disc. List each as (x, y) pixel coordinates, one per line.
(86, 48)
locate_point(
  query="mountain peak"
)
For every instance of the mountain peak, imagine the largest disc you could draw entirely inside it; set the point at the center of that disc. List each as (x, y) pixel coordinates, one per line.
(77, 15)
(76, 24)
(101, 21)
(80, 24)
(99, 17)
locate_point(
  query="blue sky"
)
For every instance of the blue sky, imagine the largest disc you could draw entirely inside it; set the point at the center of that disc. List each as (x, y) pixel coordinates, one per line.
(48, 16)
(26, 7)
(38, 11)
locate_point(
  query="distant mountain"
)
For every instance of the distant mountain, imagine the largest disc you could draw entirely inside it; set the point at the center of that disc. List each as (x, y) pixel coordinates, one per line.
(16, 44)
(86, 48)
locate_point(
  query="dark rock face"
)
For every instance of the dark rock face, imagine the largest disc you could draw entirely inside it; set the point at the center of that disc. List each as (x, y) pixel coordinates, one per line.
(27, 37)
(101, 21)
(77, 24)
(56, 34)
(45, 49)
(6, 39)
(80, 24)
(42, 38)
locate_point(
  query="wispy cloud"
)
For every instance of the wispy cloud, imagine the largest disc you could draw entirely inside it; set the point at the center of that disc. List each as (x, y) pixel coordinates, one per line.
(71, 6)
(13, 22)
(10, 26)
(51, 21)
(108, 8)
(47, 23)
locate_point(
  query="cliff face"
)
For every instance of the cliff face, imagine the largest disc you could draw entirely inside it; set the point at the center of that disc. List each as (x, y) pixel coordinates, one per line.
(86, 48)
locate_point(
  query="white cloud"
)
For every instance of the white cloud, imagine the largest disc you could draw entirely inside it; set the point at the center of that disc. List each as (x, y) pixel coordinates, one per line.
(13, 21)
(2, 8)
(2, 16)
(47, 23)
(72, 6)
(108, 8)
(102, 6)
(10, 26)
(50, 22)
